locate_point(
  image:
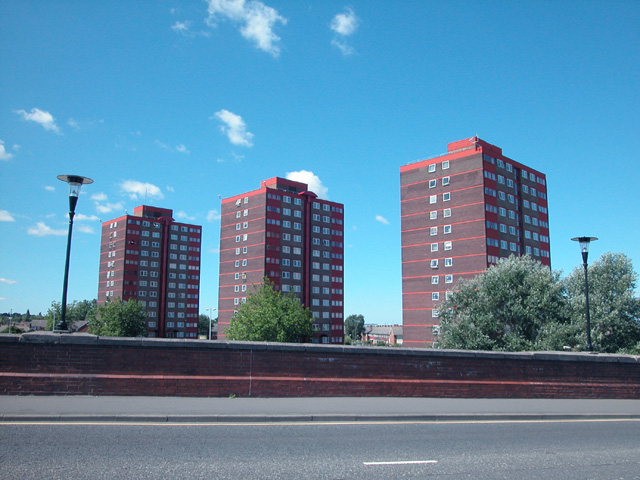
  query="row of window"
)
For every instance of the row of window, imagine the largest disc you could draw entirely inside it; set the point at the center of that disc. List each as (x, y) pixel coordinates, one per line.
(444, 165)
(433, 183)
(446, 229)
(448, 262)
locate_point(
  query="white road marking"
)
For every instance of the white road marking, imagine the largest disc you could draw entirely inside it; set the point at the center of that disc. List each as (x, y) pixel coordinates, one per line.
(408, 462)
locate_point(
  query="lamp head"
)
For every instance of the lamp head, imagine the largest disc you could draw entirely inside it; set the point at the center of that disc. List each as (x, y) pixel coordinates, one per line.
(584, 245)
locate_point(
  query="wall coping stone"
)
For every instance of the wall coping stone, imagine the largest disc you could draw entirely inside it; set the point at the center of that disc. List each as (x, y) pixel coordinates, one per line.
(88, 339)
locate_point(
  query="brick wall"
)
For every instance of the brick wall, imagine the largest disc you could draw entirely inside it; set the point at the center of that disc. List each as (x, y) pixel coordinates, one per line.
(78, 364)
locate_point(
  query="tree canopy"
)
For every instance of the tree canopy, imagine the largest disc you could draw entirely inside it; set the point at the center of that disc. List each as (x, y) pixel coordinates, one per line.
(203, 324)
(115, 318)
(614, 308)
(270, 316)
(354, 326)
(520, 304)
(78, 311)
(504, 308)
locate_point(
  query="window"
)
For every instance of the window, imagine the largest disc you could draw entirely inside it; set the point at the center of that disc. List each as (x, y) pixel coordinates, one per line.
(432, 168)
(446, 197)
(445, 165)
(435, 279)
(433, 231)
(435, 296)
(448, 262)
(502, 211)
(433, 183)
(446, 181)
(433, 214)
(433, 199)
(434, 247)
(435, 313)
(447, 229)
(503, 228)
(434, 263)
(448, 245)
(446, 212)
(448, 279)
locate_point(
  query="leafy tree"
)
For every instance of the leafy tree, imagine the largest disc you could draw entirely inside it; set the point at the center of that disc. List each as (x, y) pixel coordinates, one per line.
(505, 308)
(613, 306)
(116, 318)
(81, 311)
(270, 316)
(203, 324)
(354, 326)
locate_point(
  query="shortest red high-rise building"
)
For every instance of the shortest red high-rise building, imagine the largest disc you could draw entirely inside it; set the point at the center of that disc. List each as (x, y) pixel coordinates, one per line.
(284, 232)
(151, 258)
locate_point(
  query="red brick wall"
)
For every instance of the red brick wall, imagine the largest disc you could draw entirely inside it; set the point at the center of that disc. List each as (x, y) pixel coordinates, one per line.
(44, 364)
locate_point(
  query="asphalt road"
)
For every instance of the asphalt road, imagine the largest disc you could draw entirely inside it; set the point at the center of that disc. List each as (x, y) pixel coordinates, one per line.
(579, 449)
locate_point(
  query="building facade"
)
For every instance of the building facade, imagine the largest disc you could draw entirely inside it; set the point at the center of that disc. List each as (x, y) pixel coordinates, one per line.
(284, 232)
(151, 258)
(461, 213)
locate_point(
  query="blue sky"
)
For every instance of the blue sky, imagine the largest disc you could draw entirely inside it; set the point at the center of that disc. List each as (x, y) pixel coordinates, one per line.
(182, 101)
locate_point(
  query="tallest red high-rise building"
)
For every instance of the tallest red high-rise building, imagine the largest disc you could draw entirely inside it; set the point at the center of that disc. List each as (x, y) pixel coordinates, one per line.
(461, 213)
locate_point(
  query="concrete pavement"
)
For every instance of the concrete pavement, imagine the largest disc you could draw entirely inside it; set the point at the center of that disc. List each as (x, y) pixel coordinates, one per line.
(208, 410)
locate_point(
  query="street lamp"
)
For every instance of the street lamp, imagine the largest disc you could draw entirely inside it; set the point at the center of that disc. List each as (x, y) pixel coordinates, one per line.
(210, 318)
(75, 182)
(584, 249)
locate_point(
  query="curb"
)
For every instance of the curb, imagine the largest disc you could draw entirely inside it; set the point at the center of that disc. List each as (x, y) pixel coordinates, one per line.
(212, 419)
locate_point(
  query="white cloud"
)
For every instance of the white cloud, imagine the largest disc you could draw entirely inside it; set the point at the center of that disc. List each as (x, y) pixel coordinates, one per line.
(184, 216)
(109, 207)
(170, 189)
(41, 117)
(235, 129)
(4, 155)
(50, 188)
(4, 298)
(5, 216)
(182, 27)
(344, 25)
(41, 230)
(99, 197)
(86, 229)
(343, 46)
(84, 124)
(178, 148)
(213, 215)
(135, 189)
(7, 280)
(82, 217)
(256, 19)
(381, 219)
(312, 180)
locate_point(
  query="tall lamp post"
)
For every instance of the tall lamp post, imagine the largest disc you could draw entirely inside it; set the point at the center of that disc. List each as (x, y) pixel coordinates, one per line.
(210, 319)
(584, 249)
(75, 182)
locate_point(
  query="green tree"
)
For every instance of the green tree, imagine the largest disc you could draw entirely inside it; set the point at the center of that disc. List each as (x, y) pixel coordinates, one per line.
(505, 308)
(203, 324)
(78, 311)
(270, 316)
(116, 318)
(613, 306)
(354, 326)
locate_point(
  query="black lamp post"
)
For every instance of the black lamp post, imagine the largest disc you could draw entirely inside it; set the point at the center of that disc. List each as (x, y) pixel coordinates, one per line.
(584, 248)
(75, 182)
